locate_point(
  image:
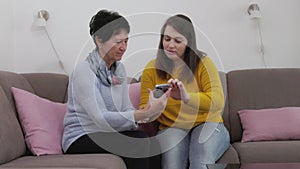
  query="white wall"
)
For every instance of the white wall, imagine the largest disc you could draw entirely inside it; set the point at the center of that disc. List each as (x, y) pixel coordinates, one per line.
(225, 23)
(6, 35)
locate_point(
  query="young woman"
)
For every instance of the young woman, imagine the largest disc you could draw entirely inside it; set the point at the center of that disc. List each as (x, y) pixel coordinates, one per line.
(191, 126)
(100, 117)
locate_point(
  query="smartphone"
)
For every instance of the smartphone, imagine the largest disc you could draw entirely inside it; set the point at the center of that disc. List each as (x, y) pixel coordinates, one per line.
(160, 89)
(163, 87)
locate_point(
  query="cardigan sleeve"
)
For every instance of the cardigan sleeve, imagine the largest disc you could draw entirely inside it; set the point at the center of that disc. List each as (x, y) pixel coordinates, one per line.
(211, 96)
(147, 81)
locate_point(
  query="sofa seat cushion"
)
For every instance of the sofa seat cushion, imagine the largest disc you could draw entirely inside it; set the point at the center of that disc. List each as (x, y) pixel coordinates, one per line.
(270, 166)
(268, 151)
(105, 161)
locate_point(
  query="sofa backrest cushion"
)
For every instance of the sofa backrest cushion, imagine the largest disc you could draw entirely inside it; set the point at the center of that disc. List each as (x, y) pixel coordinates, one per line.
(49, 85)
(259, 89)
(10, 79)
(11, 138)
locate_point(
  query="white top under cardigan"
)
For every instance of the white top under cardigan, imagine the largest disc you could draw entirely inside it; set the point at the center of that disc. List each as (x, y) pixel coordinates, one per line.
(94, 107)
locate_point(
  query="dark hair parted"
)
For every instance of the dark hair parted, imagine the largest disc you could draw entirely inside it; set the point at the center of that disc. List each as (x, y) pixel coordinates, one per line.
(192, 56)
(106, 23)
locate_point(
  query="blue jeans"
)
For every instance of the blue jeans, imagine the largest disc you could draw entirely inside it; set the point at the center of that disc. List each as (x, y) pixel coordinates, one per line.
(202, 145)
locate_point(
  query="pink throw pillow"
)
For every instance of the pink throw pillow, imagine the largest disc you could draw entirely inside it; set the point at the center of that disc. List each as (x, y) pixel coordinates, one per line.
(134, 94)
(270, 124)
(42, 122)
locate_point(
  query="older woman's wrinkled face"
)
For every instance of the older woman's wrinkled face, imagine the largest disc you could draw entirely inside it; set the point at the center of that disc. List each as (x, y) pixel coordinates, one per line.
(174, 43)
(113, 49)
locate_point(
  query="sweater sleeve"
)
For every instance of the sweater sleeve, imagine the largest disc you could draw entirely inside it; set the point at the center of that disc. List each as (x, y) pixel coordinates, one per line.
(88, 101)
(211, 96)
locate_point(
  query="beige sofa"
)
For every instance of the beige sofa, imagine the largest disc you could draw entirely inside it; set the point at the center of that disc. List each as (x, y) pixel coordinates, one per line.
(244, 89)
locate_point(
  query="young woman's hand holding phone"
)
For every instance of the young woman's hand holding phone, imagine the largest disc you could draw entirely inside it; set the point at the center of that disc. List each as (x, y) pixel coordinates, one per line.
(178, 91)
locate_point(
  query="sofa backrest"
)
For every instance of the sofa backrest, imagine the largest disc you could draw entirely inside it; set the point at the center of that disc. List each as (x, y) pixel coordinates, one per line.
(11, 137)
(10, 79)
(225, 112)
(259, 89)
(47, 85)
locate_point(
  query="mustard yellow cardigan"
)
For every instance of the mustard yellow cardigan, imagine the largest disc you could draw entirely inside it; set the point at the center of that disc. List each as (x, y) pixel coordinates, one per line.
(206, 96)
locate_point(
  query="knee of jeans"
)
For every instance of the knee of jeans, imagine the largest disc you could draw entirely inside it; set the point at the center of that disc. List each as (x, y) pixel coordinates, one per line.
(207, 159)
(199, 162)
(207, 131)
(174, 161)
(209, 155)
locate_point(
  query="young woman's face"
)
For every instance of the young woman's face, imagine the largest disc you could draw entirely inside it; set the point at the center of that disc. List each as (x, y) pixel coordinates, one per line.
(113, 49)
(174, 43)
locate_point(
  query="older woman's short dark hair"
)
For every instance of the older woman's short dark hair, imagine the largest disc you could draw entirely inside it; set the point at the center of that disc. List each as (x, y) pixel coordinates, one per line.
(106, 23)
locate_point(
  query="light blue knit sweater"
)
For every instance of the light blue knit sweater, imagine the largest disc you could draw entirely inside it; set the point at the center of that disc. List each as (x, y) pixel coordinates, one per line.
(94, 107)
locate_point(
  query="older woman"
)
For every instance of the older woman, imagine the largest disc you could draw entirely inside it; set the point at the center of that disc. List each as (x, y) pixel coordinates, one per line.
(100, 116)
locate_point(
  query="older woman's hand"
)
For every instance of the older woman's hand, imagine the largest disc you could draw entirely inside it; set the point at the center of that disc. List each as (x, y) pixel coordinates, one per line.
(155, 106)
(158, 105)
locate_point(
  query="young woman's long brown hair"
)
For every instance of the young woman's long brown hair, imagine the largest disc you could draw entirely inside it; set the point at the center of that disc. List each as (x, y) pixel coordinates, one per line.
(192, 56)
